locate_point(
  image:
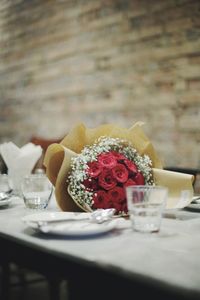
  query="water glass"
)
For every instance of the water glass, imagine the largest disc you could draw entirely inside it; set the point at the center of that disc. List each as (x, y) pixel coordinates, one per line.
(5, 187)
(145, 206)
(36, 190)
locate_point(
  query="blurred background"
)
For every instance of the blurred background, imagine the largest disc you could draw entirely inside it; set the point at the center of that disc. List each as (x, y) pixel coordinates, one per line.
(102, 61)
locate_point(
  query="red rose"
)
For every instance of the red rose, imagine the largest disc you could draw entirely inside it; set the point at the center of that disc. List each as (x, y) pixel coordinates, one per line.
(116, 194)
(119, 156)
(131, 166)
(119, 206)
(90, 184)
(101, 200)
(139, 179)
(129, 182)
(106, 180)
(120, 173)
(107, 160)
(94, 169)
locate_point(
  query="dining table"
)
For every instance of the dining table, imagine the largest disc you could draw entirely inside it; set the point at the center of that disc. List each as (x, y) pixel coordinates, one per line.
(117, 263)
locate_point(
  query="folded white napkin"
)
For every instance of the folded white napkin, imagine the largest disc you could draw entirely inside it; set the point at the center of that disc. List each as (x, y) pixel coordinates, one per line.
(19, 161)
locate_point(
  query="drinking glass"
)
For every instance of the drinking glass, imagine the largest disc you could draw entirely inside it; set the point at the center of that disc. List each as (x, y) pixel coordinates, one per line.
(5, 187)
(36, 190)
(145, 206)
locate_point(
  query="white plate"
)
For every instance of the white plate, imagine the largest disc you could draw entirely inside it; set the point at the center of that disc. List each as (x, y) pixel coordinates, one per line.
(76, 224)
(5, 202)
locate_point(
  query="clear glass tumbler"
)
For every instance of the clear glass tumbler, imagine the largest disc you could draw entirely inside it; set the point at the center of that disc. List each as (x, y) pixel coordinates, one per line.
(145, 206)
(36, 190)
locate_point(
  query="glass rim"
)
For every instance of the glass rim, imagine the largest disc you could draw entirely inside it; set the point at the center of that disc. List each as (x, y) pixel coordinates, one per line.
(147, 187)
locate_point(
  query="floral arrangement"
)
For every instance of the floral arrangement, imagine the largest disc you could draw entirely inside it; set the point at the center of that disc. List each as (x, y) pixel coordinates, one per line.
(100, 173)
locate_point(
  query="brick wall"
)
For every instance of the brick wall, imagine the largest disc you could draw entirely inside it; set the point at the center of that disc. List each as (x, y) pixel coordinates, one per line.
(97, 61)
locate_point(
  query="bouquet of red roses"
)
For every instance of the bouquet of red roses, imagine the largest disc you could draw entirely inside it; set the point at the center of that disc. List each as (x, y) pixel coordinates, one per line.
(101, 172)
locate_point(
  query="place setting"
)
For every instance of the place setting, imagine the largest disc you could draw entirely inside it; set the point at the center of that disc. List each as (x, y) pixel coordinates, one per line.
(36, 193)
(72, 224)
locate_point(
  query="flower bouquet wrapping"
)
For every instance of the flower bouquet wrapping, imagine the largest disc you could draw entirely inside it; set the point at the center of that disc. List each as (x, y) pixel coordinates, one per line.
(91, 168)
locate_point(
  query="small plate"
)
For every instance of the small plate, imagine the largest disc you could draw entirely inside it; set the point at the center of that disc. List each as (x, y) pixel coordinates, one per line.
(66, 224)
(5, 202)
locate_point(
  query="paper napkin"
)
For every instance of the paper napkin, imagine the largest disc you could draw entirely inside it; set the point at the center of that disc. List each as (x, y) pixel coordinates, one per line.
(20, 161)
